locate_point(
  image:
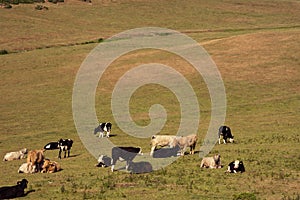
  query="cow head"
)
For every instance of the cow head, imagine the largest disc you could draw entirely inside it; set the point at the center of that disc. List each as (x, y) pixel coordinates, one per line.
(23, 183)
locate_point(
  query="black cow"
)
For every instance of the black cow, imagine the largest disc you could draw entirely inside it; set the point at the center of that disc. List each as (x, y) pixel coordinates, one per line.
(103, 127)
(9, 192)
(226, 133)
(124, 153)
(64, 145)
(236, 166)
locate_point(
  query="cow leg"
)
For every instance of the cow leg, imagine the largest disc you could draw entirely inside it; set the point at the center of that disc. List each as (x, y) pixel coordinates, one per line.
(107, 134)
(65, 153)
(152, 150)
(224, 140)
(59, 153)
(68, 152)
(219, 140)
(101, 134)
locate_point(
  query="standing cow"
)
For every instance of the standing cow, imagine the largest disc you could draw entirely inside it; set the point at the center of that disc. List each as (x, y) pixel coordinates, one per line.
(226, 133)
(64, 145)
(35, 158)
(162, 141)
(187, 141)
(124, 153)
(103, 127)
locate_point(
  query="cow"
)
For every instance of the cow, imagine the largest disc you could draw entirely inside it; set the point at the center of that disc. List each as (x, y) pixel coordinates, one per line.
(187, 141)
(64, 145)
(236, 166)
(50, 166)
(162, 140)
(140, 167)
(9, 192)
(36, 158)
(226, 133)
(103, 127)
(211, 162)
(103, 161)
(124, 153)
(27, 168)
(15, 155)
(52, 146)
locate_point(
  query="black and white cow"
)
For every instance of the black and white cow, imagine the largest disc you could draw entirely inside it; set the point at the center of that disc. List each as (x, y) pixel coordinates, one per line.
(103, 161)
(103, 127)
(226, 133)
(64, 145)
(124, 153)
(51, 146)
(236, 166)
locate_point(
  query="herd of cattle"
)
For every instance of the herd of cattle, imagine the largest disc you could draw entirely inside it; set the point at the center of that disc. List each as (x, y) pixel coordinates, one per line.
(36, 161)
(177, 146)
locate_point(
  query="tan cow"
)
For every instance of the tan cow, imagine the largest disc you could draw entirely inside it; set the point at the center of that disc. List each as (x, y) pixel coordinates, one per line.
(36, 158)
(187, 141)
(211, 162)
(162, 140)
(50, 166)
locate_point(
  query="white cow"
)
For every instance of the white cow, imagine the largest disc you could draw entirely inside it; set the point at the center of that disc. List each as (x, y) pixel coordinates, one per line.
(15, 155)
(162, 140)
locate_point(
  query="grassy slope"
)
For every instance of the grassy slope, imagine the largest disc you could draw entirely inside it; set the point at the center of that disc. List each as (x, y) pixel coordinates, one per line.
(257, 59)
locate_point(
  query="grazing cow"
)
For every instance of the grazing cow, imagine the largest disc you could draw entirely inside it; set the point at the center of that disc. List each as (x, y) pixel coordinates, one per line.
(226, 133)
(162, 140)
(124, 153)
(103, 161)
(187, 141)
(64, 145)
(140, 167)
(236, 166)
(50, 166)
(211, 162)
(15, 155)
(103, 127)
(27, 168)
(10, 192)
(36, 158)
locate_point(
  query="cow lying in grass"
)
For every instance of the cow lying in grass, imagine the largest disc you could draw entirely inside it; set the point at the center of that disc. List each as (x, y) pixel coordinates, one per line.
(9, 192)
(236, 166)
(225, 131)
(15, 155)
(27, 168)
(103, 127)
(185, 142)
(124, 153)
(211, 162)
(50, 166)
(36, 158)
(162, 141)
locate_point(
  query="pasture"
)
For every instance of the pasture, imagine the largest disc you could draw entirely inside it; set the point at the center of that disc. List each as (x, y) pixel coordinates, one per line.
(255, 45)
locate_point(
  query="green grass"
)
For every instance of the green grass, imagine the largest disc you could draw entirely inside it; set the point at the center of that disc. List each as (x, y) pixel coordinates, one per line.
(255, 46)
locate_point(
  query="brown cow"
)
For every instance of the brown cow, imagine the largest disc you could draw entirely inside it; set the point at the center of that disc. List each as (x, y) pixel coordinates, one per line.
(36, 158)
(187, 141)
(211, 162)
(50, 166)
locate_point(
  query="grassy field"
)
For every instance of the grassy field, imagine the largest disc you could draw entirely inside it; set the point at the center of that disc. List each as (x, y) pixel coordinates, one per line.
(255, 45)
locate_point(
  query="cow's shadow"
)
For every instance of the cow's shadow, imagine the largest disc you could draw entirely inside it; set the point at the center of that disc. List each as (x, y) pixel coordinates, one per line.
(166, 152)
